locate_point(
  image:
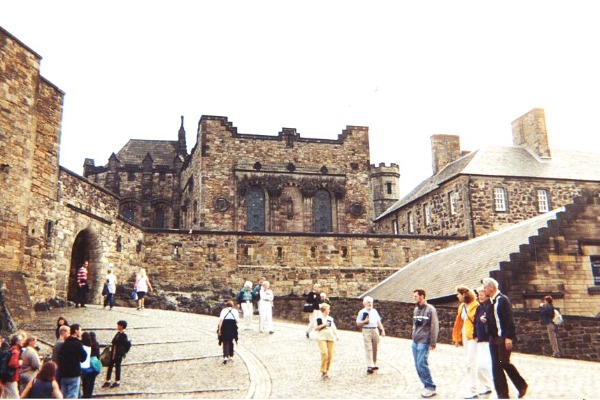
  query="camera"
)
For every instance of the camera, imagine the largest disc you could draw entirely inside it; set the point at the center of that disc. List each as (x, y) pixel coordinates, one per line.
(420, 320)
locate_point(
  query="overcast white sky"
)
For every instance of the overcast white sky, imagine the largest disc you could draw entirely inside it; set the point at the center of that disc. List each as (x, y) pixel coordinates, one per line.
(407, 70)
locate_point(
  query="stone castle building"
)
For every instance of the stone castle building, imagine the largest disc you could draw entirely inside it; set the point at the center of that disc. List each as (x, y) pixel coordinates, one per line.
(237, 206)
(474, 193)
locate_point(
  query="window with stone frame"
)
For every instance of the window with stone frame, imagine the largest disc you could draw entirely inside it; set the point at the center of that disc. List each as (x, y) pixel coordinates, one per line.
(453, 202)
(159, 217)
(499, 199)
(395, 226)
(322, 212)
(427, 214)
(543, 203)
(255, 209)
(389, 187)
(411, 222)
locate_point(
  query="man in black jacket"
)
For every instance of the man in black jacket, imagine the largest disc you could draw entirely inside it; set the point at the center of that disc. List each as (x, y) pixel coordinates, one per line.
(501, 327)
(70, 357)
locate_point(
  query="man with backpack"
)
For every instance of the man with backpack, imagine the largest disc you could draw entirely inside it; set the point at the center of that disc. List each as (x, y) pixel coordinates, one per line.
(547, 311)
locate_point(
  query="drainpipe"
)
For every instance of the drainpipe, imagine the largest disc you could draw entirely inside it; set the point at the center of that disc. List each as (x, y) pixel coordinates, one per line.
(470, 201)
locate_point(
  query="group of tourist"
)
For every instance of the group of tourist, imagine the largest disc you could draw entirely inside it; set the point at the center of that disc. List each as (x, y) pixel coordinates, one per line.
(484, 326)
(141, 287)
(71, 370)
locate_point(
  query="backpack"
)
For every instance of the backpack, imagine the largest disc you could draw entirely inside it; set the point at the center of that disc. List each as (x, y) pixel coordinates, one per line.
(127, 346)
(6, 372)
(558, 319)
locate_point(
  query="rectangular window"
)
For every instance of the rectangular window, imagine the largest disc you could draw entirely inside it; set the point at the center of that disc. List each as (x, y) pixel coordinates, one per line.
(453, 201)
(411, 222)
(395, 226)
(595, 261)
(499, 199)
(389, 188)
(542, 198)
(427, 214)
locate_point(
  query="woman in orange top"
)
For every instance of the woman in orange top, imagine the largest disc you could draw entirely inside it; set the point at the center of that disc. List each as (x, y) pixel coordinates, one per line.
(464, 326)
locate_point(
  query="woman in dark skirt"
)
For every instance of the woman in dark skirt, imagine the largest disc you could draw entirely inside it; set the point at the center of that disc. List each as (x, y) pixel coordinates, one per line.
(228, 330)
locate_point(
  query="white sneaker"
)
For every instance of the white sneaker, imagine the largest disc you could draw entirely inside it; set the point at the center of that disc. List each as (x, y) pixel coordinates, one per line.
(428, 393)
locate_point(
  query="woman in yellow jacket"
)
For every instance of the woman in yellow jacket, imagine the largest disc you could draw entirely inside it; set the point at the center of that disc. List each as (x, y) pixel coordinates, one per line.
(464, 326)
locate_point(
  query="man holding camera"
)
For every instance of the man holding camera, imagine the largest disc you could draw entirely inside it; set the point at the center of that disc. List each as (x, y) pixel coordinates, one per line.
(369, 320)
(426, 328)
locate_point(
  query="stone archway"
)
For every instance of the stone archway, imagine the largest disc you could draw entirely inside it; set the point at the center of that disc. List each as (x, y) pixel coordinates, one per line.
(85, 247)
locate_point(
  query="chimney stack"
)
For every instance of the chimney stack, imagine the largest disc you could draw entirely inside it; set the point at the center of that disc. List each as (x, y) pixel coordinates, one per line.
(444, 150)
(529, 130)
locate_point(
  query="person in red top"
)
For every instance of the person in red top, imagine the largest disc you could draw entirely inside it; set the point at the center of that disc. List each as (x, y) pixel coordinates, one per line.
(11, 386)
(82, 284)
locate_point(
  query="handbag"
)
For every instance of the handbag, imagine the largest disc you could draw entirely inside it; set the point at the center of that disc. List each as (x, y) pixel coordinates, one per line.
(134, 294)
(105, 289)
(96, 364)
(308, 308)
(106, 356)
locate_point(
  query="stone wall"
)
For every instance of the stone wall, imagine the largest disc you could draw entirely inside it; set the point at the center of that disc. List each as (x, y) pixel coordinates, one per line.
(344, 265)
(579, 337)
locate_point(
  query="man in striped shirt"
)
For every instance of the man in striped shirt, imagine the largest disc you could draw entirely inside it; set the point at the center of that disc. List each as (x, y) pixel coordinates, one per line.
(82, 285)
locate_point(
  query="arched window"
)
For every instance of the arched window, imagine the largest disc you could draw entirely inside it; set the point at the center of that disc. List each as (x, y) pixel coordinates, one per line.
(322, 211)
(255, 207)
(159, 217)
(128, 211)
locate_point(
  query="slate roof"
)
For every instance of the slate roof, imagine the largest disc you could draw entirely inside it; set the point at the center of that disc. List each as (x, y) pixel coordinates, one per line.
(465, 263)
(163, 152)
(513, 161)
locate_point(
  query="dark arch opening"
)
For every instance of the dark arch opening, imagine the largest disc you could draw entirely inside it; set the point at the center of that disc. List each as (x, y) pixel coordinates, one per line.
(85, 248)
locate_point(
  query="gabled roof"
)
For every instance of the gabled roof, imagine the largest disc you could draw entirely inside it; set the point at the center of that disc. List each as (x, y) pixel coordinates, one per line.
(510, 162)
(163, 152)
(465, 263)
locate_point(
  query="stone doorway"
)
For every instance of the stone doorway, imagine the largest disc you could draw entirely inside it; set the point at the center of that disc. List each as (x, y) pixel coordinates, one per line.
(86, 247)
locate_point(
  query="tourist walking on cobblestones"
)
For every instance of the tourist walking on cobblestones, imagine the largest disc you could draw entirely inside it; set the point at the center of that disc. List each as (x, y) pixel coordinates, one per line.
(30, 362)
(256, 297)
(463, 334)
(82, 284)
(227, 330)
(142, 286)
(119, 347)
(425, 332)
(70, 357)
(370, 321)
(326, 335)
(547, 314)
(111, 287)
(314, 298)
(244, 299)
(481, 335)
(265, 307)
(501, 327)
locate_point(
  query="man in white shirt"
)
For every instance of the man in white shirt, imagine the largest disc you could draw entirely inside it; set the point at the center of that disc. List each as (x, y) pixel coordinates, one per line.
(369, 320)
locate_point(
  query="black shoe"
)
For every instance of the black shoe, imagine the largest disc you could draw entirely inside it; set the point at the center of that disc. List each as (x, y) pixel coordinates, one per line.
(375, 368)
(369, 371)
(523, 391)
(115, 384)
(307, 335)
(106, 384)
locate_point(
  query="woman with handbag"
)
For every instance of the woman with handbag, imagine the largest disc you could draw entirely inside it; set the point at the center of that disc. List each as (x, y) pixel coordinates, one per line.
(88, 372)
(119, 347)
(227, 330)
(327, 335)
(142, 286)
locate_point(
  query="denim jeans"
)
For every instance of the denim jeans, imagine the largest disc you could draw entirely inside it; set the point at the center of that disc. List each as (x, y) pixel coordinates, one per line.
(420, 354)
(109, 300)
(70, 387)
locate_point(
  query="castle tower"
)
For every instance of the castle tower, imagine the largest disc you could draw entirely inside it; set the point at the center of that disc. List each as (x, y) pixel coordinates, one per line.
(385, 186)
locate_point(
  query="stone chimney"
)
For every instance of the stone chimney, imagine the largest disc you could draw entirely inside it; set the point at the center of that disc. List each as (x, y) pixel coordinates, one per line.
(529, 130)
(444, 150)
